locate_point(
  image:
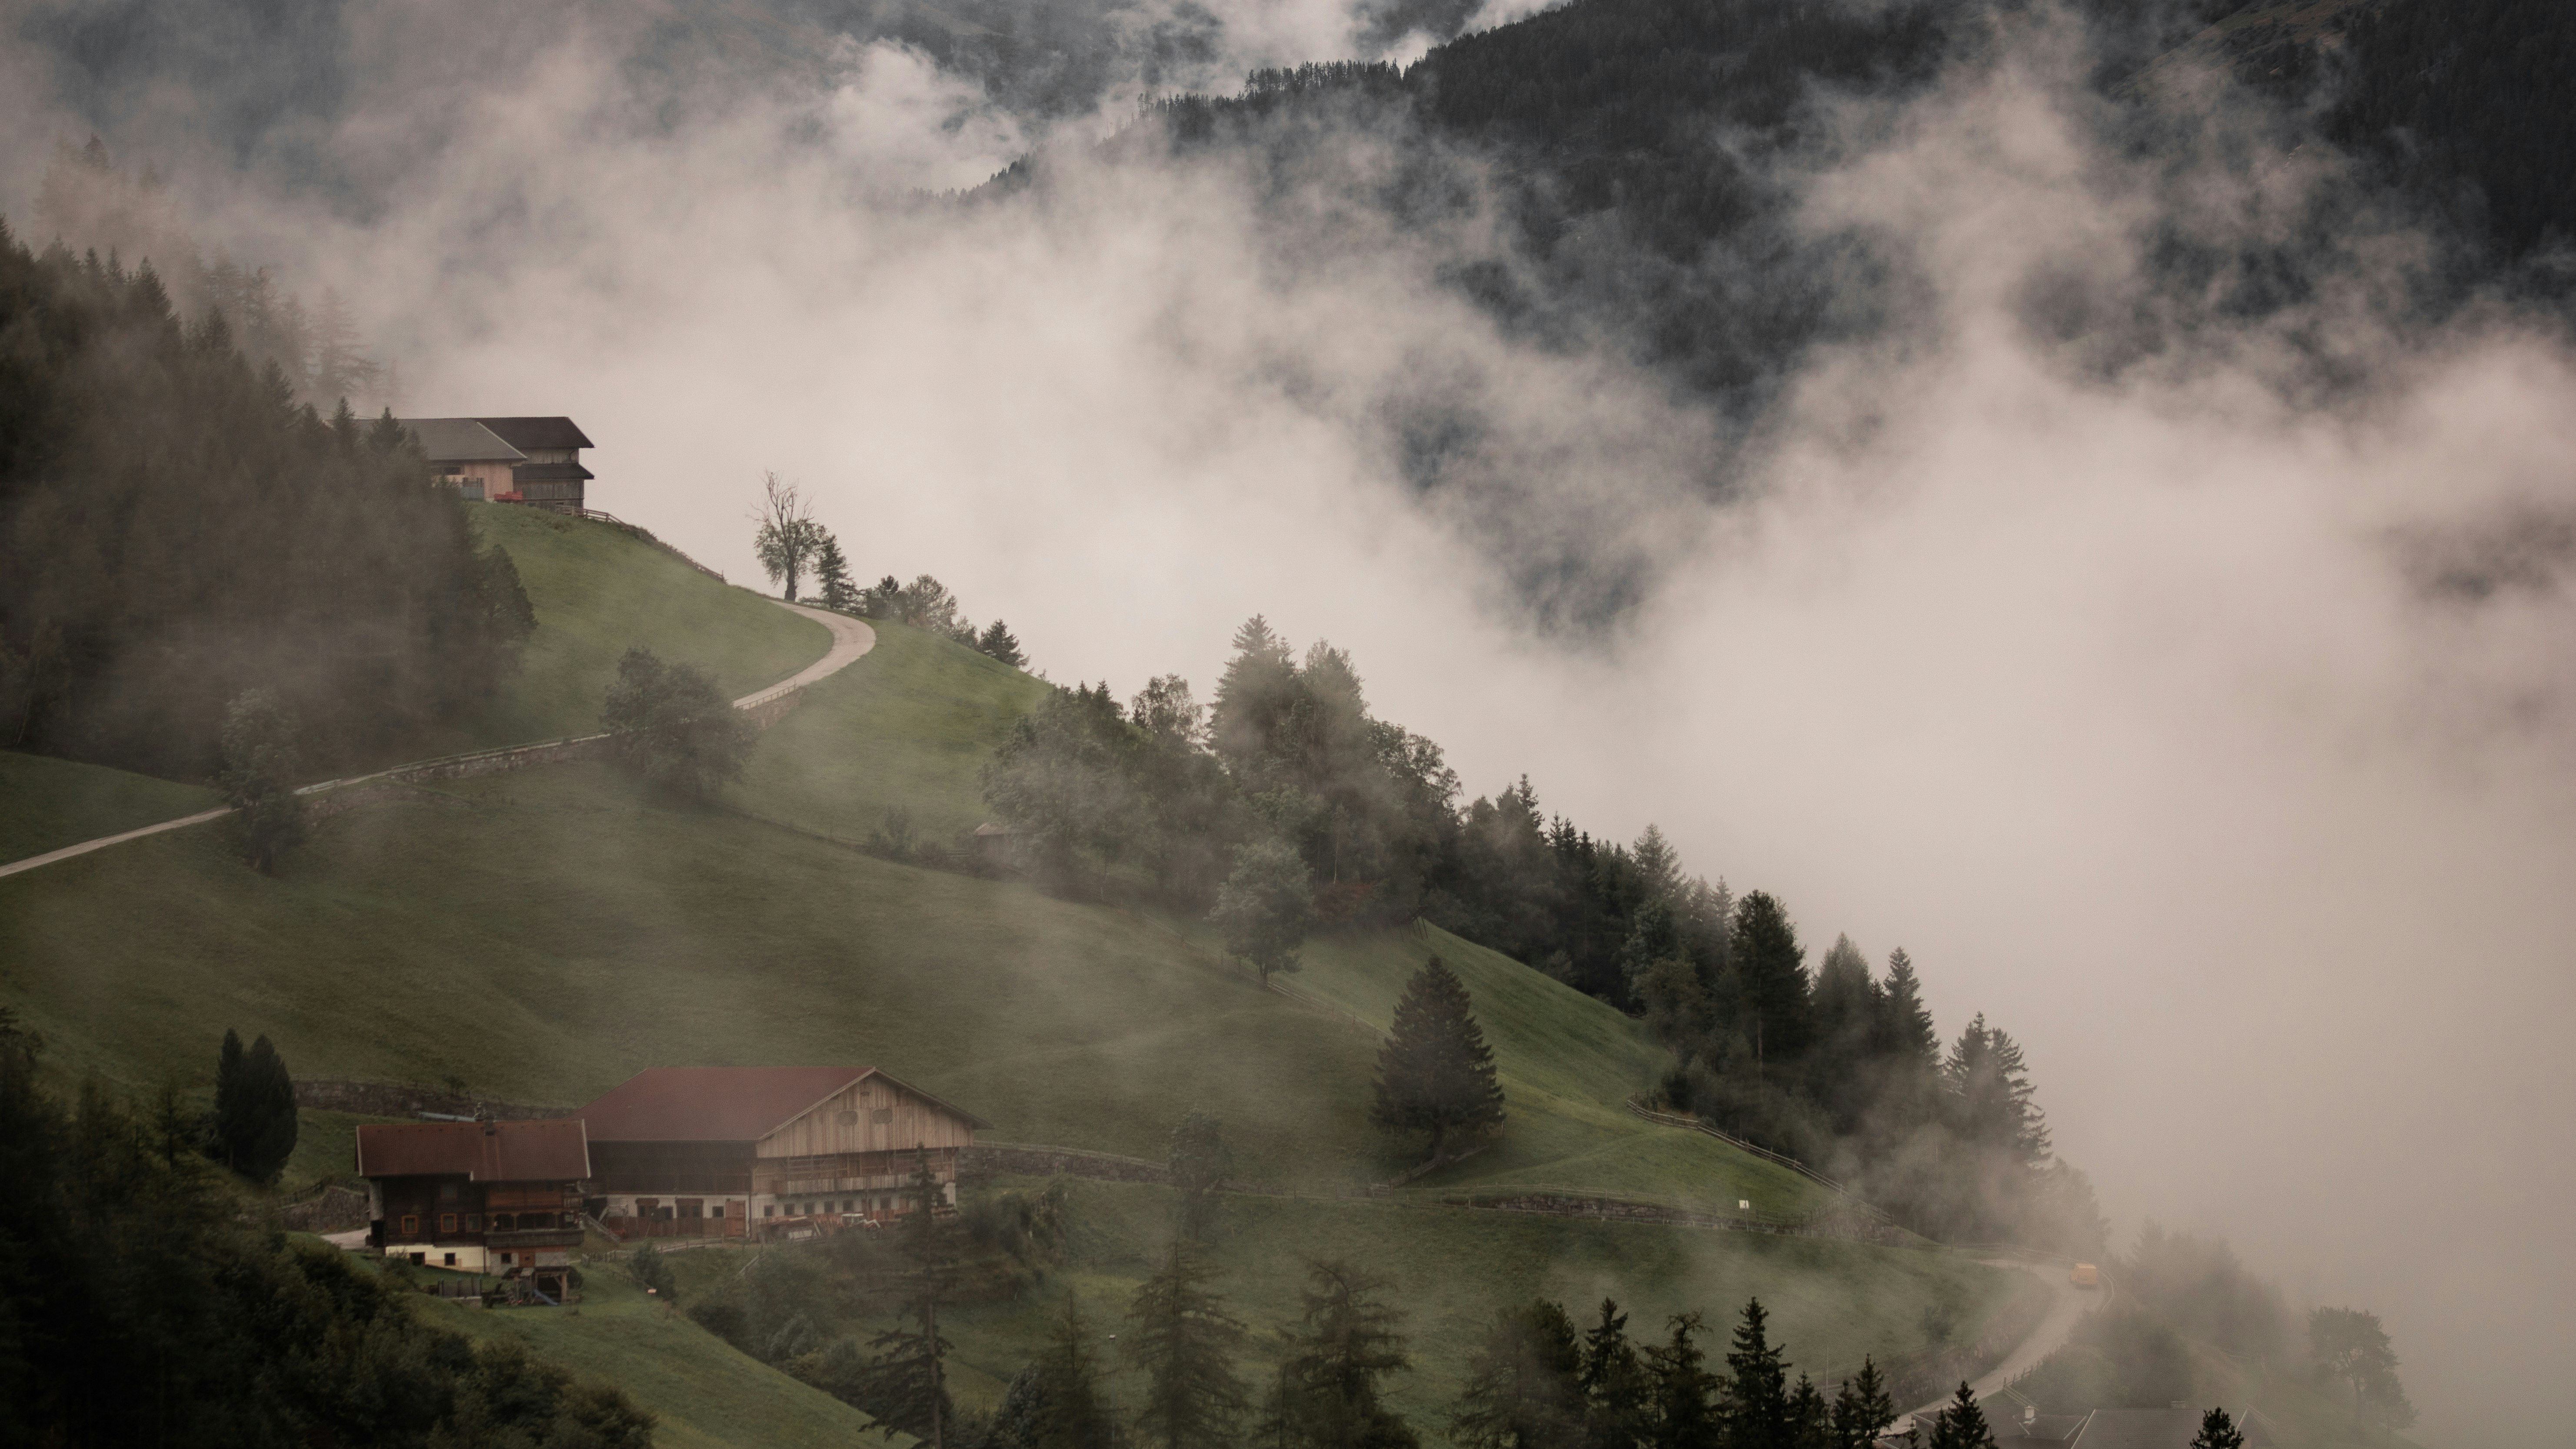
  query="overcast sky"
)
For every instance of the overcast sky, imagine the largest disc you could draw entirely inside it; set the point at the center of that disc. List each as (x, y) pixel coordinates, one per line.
(2131, 710)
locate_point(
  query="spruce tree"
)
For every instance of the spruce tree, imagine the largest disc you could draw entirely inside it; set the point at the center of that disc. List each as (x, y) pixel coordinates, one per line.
(1758, 1410)
(1613, 1383)
(1524, 1384)
(1862, 1410)
(906, 1381)
(2217, 1431)
(1961, 1424)
(1185, 1343)
(1069, 1411)
(832, 586)
(1685, 1396)
(1200, 1162)
(1770, 968)
(1327, 1396)
(1435, 1072)
(998, 641)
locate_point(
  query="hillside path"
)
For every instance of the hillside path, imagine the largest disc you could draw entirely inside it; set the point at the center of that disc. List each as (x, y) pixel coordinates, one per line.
(851, 638)
(2067, 1307)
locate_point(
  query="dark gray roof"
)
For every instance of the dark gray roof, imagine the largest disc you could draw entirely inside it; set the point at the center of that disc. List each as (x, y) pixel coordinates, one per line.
(2154, 1429)
(550, 472)
(461, 440)
(538, 432)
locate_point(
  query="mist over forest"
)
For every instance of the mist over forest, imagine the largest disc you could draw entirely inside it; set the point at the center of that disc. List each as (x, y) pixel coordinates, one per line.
(2036, 534)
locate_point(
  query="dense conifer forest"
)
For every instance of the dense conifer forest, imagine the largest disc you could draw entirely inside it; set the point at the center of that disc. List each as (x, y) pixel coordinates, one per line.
(176, 529)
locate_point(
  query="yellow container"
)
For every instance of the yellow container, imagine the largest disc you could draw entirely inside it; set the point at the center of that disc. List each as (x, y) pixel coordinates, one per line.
(2085, 1276)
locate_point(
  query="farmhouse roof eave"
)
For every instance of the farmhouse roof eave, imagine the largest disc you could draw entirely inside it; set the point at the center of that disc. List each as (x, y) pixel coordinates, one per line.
(556, 432)
(553, 1149)
(461, 440)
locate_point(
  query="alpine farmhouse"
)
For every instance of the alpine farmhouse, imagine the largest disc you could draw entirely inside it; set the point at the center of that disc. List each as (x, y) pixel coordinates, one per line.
(766, 1151)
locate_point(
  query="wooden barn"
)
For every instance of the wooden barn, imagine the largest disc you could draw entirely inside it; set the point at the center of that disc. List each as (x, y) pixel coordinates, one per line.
(763, 1151)
(480, 1197)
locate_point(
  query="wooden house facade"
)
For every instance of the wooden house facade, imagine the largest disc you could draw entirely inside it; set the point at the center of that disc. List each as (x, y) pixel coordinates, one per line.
(763, 1151)
(480, 1197)
(509, 460)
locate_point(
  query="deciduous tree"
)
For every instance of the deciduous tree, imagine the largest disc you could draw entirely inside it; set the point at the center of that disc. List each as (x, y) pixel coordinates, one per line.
(1265, 906)
(2351, 1347)
(262, 753)
(673, 727)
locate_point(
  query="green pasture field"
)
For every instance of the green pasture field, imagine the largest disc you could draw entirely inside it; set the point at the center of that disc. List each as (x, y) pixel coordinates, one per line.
(701, 1390)
(909, 726)
(46, 804)
(597, 592)
(1453, 1270)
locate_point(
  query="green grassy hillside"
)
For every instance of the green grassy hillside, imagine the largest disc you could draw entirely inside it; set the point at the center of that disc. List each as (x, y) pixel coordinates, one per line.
(46, 804)
(702, 1392)
(909, 726)
(1454, 1269)
(598, 591)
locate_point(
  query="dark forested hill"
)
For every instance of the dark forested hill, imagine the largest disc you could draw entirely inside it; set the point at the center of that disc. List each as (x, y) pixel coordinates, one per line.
(175, 529)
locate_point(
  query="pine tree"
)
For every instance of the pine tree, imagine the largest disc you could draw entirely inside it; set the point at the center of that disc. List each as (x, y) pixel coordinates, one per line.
(1435, 1072)
(1758, 1410)
(832, 584)
(1810, 1419)
(1185, 1343)
(1687, 1413)
(1524, 1384)
(1327, 1395)
(998, 641)
(906, 1381)
(2217, 1431)
(1200, 1162)
(1770, 967)
(1069, 1412)
(1862, 1410)
(1961, 1424)
(1613, 1383)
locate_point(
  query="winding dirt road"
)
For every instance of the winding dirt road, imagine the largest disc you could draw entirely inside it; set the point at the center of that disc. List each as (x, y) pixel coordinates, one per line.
(850, 639)
(2067, 1306)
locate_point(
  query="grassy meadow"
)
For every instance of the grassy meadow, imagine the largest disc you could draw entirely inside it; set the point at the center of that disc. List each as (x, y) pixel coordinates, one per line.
(46, 804)
(597, 592)
(702, 1391)
(1453, 1270)
(909, 727)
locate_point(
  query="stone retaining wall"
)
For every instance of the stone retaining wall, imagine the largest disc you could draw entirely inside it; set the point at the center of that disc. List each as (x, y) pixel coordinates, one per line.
(397, 1099)
(1017, 1160)
(333, 1210)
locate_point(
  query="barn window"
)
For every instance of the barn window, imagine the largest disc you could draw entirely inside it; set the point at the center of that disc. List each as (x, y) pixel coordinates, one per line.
(881, 1116)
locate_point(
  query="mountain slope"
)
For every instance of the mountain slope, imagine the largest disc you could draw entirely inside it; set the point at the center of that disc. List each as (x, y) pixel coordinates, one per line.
(53, 803)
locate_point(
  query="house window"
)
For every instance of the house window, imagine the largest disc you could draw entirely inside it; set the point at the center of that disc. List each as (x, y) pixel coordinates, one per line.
(473, 1222)
(447, 1192)
(500, 1222)
(411, 1227)
(508, 1258)
(447, 1224)
(451, 1260)
(717, 1211)
(769, 1210)
(420, 1258)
